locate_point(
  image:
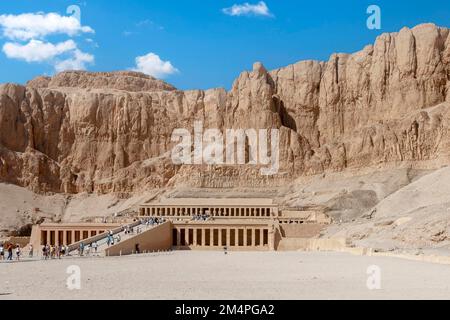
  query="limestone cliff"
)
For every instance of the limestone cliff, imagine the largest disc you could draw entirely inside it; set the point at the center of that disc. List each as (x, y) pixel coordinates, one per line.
(111, 132)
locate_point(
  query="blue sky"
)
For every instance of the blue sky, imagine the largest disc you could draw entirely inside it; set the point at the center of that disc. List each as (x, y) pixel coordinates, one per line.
(196, 44)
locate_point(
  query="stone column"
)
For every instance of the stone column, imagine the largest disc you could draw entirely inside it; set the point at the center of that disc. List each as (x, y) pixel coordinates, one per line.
(48, 237)
(271, 240)
(211, 237)
(253, 237)
(178, 237)
(64, 237)
(219, 237)
(245, 237)
(186, 236)
(56, 237)
(203, 237)
(228, 238)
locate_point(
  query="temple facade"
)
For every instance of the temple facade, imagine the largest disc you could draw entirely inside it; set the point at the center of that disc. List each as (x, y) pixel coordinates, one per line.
(196, 224)
(67, 233)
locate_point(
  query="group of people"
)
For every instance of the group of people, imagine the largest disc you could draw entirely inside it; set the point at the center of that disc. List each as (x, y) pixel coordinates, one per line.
(92, 247)
(110, 241)
(201, 217)
(9, 248)
(154, 221)
(54, 252)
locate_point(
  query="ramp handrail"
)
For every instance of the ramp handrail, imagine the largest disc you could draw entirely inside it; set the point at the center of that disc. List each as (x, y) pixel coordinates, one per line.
(101, 236)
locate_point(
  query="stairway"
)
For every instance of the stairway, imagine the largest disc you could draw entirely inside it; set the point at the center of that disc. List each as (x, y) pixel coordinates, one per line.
(102, 239)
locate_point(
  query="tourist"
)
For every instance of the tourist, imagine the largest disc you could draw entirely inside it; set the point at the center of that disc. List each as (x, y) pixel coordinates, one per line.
(95, 246)
(2, 252)
(17, 252)
(81, 249)
(30, 252)
(10, 252)
(52, 252)
(59, 251)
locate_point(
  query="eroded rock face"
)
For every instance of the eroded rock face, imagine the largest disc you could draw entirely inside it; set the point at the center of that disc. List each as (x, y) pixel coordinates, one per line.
(111, 132)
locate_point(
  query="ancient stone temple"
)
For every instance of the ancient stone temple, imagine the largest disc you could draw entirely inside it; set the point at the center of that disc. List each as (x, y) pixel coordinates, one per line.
(218, 223)
(195, 224)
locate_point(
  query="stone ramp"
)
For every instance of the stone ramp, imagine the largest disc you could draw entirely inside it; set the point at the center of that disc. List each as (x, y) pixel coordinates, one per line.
(157, 238)
(101, 239)
(122, 236)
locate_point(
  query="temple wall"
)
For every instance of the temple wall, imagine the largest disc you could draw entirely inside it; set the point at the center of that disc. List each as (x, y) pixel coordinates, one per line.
(158, 238)
(306, 230)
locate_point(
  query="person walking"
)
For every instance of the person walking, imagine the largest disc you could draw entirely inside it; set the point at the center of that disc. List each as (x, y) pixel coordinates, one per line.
(17, 252)
(81, 248)
(47, 251)
(30, 252)
(2, 252)
(58, 251)
(10, 252)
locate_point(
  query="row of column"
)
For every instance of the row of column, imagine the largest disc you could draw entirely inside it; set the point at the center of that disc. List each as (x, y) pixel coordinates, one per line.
(220, 237)
(213, 211)
(53, 237)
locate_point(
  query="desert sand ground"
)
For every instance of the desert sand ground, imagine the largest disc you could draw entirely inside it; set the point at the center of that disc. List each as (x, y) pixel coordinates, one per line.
(238, 275)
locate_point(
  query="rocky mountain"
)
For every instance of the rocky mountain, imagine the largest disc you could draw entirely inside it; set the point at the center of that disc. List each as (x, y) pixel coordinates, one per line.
(384, 106)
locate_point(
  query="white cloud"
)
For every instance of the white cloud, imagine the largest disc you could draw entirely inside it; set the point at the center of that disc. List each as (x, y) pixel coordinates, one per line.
(38, 25)
(27, 33)
(77, 62)
(152, 64)
(39, 51)
(36, 50)
(247, 9)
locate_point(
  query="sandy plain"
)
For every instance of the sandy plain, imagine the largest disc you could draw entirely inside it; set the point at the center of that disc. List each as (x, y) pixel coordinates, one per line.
(237, 275)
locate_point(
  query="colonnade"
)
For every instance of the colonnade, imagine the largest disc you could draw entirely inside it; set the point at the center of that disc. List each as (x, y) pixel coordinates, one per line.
(184, 236)
(67, 237)
(180, 211)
